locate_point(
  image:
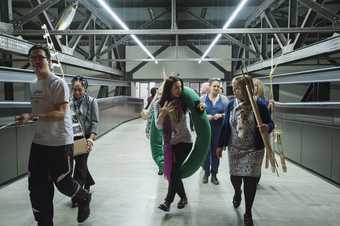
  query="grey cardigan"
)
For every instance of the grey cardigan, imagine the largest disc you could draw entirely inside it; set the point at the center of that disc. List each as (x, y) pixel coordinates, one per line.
(89, 114)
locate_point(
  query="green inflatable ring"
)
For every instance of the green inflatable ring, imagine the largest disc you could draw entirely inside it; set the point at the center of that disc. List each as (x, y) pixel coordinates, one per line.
(156, 143)
(203, 131)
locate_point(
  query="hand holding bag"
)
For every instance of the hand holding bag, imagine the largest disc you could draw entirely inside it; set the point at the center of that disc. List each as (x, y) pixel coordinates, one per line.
(80, 145)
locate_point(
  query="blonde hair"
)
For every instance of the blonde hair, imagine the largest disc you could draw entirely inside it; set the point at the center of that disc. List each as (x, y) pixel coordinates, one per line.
(260, 87)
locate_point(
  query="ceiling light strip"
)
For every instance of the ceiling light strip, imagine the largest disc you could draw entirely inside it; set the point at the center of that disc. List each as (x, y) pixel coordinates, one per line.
(226, 25)
(125, 27)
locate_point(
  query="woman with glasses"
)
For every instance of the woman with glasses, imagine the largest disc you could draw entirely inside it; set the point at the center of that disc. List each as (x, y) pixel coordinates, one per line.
(86, 110)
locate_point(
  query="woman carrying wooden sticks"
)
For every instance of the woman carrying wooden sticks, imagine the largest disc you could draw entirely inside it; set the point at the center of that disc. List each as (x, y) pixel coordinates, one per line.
(245, 146)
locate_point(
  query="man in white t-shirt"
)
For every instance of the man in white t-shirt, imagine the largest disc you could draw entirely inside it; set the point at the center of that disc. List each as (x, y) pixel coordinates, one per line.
(51, 156)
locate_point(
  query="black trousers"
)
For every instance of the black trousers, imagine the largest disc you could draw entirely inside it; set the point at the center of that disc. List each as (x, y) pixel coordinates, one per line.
(81, 171)
(180, 153)
(50, 165)
(249, 187)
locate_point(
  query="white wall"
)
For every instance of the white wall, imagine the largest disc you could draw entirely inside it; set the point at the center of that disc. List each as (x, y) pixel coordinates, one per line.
(187, 70)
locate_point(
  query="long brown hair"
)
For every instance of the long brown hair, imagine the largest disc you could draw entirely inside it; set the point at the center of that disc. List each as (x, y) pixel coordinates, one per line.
(242, 81)
(167, 96)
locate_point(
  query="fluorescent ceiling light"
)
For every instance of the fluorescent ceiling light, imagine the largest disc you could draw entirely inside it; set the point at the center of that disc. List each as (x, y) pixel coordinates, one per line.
(144, 48)
(125, 27)
(226, 25)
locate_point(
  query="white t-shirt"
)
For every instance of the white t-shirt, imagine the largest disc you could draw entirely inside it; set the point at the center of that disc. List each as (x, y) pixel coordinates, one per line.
(46, 94)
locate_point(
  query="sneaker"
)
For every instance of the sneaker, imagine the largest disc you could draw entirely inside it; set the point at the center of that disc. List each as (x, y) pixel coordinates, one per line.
(182, 203)
(83, 199)
(160, 172)
(165, 206)
(214, 180)
(205, 179)
(74, 203)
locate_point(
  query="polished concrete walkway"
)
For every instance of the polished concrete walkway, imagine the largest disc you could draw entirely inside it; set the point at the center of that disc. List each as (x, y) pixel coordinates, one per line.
(128, 192)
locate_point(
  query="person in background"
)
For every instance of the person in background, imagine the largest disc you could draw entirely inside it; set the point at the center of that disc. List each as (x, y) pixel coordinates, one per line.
(245, 146)
(50, 161)
(216, 105)
(259, 92)
(221, 90)
(204, 89)
(86, 109)
(157, 155)
(150, 98)
(171, 112)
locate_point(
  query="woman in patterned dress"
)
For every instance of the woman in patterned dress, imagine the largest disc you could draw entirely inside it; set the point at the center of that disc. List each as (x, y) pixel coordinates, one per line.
(245, 146)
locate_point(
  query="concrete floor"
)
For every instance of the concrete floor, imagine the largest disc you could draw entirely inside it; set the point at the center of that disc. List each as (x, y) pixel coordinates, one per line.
(128, 191)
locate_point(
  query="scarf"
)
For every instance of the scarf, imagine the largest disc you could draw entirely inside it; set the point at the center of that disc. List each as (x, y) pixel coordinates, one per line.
(169, 157)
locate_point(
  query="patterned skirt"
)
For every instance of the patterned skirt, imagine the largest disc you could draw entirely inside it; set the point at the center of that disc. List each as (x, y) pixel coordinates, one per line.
(245, 162)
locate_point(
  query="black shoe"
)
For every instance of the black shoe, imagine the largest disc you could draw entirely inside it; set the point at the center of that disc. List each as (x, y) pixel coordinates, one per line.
(214, 180)
(87, 188)
(248, 220)
(237, 199)
(74, 203)
(45, 224)
(205, 179)
(164, 206)
(83, 198)
(160, 172)
(182, 203)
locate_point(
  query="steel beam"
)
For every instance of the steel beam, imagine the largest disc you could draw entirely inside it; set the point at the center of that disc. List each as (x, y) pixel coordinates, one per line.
(45, 19)
(143, 26)
(203, 12)
(324, 47)
(264, 40)
(331, 74)
(307, 22)
(173, 15)
(281, 39)
(84, 53)
(92, 42)
(240, 54)
(6, 12)
(164, 3)
(156, 53)
(35, 11)
(28, 76)
(255, 18)
(6, 28)
(229, 37)
(116, 51)
(259, 11)
(293, 16)
(176, 59)
(83, 25)
(101, 46)
(227, 74)
(185, 31)
(322, 11)
(255, 45)
(19, 46)
(151, 13)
